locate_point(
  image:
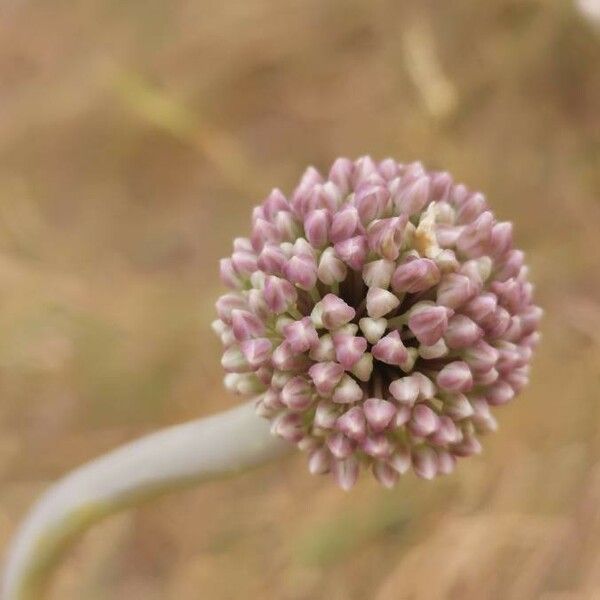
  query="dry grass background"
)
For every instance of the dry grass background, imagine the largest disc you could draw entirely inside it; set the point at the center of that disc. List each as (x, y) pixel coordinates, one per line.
(135, 138)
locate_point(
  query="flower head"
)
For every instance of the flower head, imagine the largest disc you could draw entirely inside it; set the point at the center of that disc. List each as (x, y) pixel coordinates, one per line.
(377, 315)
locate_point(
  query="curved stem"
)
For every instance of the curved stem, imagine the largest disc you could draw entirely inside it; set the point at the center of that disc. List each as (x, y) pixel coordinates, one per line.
(216, 446)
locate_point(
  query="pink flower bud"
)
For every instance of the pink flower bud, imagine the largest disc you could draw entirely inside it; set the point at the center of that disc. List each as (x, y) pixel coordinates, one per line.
(501, 239)
(316, 226)
(377, 446)
(285, 359)
(380, 302)
(282, 322)
(475, 237)
(229, 275)
(457, 407)
(481, 307)
(257, 280)
(324, 350)
(335, 312)
(425, 462)
(242, 245)
(498, 323)
(455, 377)
(287, 226)
(405, 390)
(459, 194)
(257, 304)
(483, 419)
(271, 399)
(272, 259)
(348, 349)
(288, 426)
(424, 421)
(481, 357)
(486, 378)
(331, 269)
(388, 169)
(275, 203)
(379, 413)
(373, 329)
(454, 290)
(345, 472)
(326, 415)
(234, 361)
(301, 335)
(511, 265)
(385, 236)
(471, 208)
(441, 186)
(447, 262)
(297, 394)
(446, 462)
(446, 433)
(326, 376)
(262, 232)
(500, 393)
(530, 319)
(437, 350)
(365, 170)
(469, 446)
(427, 389)
(371, 202)
(345, 224)
(363, 369)
(403, 415)
(428, 323)
(340, 446)
(352, 424)
(447, 235)
(219, 327)
(341, 174)
(227, 304)
(309, 179)
(385, 474)
(462, 332)
(301, 247)
(510, 294)
(400, 460)
(509, 357)
(390, 349)
(319, 461)
(323, 196)
(244, 263)
(279, 294)
(301, 271)
(412, 197)
(257, 351)
(353, 251)
(378, 273)
(415, 276)
(518, 378)
(246, 325)
(348, 391)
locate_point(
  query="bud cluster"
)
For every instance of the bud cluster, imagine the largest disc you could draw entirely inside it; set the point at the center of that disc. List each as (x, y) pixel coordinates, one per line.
(377, 315)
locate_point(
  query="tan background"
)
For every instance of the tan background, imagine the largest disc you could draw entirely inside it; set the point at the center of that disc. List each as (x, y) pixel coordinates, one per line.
(134, 139)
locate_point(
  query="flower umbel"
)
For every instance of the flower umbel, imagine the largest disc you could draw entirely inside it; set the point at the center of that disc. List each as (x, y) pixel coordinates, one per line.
(377, 315)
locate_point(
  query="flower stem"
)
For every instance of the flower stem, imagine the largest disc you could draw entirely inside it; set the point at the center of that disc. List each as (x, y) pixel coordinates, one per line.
(180, 456)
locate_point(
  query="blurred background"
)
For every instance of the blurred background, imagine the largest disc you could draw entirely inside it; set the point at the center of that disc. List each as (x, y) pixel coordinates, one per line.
(134, 139)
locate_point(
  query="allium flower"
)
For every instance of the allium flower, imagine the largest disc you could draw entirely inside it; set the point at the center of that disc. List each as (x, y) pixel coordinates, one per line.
(377, 315)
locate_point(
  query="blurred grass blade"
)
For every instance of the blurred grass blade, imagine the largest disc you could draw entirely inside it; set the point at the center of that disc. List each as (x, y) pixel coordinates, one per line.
(169, 114)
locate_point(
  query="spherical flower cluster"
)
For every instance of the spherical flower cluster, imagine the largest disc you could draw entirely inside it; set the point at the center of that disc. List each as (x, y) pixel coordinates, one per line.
(377, 315)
